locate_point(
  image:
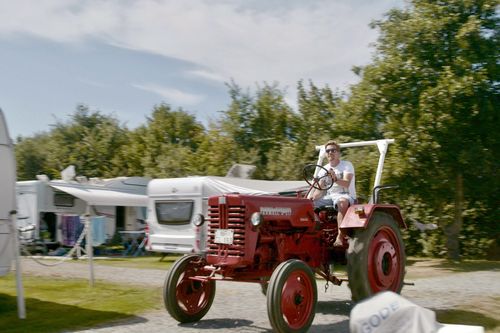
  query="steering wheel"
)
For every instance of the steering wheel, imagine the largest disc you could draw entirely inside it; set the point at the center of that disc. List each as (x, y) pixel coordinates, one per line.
(314, 181)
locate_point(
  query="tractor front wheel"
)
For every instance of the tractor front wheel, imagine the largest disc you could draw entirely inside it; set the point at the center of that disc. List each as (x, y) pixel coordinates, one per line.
(376, 258)
(188, 300)
(291, 297)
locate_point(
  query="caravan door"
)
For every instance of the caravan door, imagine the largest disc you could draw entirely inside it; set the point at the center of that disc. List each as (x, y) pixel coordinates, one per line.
(27, 203)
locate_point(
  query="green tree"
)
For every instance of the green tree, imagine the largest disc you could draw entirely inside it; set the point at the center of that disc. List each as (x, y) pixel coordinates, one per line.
(217, 153)
(166, 146)
(433, 86)
(259, 124)
(31, 156)
(320, 119)
(88, 141)
(318, 114)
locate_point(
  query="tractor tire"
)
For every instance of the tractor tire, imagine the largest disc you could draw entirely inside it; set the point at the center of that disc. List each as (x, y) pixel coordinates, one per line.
(376, 258)
(291, 297)
(187, 300)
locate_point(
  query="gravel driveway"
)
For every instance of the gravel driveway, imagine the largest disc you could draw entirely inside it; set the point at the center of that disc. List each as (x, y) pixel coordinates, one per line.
(241, 307)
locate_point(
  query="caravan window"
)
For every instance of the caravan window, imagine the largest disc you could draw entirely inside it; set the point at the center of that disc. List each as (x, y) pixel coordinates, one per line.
(62, 199)
(174, 212)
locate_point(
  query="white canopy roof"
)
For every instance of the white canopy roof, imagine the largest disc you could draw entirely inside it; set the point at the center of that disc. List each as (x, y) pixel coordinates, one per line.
(133, 195)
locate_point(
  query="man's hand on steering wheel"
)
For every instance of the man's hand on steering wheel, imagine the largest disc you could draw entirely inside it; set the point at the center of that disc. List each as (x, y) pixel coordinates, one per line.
(320, 183)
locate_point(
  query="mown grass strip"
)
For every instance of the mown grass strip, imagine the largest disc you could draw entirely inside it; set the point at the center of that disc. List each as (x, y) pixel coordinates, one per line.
(56, 305)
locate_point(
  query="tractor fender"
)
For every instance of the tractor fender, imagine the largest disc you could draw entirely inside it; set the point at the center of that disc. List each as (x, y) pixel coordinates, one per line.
(358, 216)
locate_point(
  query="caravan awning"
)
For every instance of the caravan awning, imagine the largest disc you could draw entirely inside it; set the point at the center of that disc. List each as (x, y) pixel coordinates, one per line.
(103, 197)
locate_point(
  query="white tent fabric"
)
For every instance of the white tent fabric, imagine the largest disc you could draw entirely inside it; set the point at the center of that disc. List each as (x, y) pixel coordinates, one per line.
(250, 186)
(388, 312)
(7, 197)
(206, 186)
(101, 196)
(9, 249)
(453, 328)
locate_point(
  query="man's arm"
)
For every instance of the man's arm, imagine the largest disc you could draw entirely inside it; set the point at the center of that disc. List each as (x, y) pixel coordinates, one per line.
(346, 181)
(315, 194)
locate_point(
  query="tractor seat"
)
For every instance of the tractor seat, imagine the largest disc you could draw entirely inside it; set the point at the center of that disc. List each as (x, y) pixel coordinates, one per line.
(326, 208)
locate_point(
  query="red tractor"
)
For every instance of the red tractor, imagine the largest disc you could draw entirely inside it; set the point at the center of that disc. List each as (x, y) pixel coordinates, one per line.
(281, 242)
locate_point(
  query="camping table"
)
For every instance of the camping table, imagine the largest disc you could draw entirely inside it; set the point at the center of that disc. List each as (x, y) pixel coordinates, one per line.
(133, 236)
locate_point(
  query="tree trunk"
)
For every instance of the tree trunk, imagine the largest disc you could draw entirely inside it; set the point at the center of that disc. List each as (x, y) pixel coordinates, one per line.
(452, 231)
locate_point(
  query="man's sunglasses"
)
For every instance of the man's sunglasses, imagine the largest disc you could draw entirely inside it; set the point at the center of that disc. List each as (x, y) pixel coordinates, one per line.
(333, 150)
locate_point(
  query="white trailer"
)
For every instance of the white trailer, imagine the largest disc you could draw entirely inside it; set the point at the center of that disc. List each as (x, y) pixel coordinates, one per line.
(41, 206)
(43, 203)
(174, 205)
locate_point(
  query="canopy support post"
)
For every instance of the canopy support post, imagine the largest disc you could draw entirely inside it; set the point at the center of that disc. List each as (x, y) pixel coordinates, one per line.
(89, 245)
(21, 307)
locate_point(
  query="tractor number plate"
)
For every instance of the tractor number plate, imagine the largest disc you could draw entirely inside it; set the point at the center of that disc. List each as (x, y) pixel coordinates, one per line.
(224, 236)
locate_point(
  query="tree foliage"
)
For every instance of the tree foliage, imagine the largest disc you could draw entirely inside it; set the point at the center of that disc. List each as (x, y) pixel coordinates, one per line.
(88, 141)
(166, 145)
(260, 125)
(432, 85)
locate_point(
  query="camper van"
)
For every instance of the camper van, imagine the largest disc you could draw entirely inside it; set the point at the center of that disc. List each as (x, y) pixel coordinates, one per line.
(45, 204)
(7, 198)
(175, 204)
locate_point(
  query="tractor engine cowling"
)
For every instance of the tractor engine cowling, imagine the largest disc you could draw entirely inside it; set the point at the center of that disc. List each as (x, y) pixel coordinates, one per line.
(243, 229)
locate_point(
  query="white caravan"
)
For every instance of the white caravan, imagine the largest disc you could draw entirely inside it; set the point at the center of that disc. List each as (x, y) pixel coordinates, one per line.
(7, 198)
(43, 203)
(175, 204)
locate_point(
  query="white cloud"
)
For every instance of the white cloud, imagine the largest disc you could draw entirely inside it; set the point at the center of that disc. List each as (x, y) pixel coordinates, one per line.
(171, 95)
(319, 40)
(207, 75)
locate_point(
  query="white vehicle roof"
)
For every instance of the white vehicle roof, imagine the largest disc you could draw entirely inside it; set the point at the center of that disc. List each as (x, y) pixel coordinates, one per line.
(205, 186)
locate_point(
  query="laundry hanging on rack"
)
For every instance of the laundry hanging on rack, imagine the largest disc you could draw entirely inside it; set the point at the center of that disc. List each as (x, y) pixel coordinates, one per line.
(98, 230)
(71, 228)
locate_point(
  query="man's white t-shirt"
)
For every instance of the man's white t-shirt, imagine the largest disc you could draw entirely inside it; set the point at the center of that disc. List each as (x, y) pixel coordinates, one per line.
(340, 170)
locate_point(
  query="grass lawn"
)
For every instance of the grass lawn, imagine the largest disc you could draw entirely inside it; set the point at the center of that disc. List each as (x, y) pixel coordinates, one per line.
(417, 268)
(483, 311)
(56, 305)
(142, 262)
(479, 312)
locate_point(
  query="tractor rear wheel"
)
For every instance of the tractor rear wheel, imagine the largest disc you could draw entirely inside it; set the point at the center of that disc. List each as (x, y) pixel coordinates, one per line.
(291, 297)
(187, 300)
(376, 258)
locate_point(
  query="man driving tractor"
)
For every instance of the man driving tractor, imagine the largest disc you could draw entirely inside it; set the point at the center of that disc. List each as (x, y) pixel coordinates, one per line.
(342, 192)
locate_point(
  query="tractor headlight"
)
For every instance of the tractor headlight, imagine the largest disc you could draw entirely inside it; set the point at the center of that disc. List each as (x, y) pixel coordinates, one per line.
(256, 219)
(198, 220)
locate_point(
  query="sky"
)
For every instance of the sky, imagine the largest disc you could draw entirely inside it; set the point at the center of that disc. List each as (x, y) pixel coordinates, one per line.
(124, 57)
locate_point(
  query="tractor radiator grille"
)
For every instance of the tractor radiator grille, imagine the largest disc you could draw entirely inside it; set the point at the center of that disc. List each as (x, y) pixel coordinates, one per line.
(226, 217)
